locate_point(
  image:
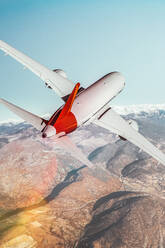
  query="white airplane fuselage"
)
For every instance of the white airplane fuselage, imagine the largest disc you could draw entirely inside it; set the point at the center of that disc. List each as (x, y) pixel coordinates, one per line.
(96, 96)
(88, 103)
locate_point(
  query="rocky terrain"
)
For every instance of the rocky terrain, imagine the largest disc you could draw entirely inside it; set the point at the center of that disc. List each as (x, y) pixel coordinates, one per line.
(48, 199)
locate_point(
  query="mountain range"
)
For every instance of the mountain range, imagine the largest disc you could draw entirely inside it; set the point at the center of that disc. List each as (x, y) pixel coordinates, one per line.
(48, 199)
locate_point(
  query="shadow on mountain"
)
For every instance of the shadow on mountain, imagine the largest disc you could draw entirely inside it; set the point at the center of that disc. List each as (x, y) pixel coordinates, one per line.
(125, 219)
(70, 178)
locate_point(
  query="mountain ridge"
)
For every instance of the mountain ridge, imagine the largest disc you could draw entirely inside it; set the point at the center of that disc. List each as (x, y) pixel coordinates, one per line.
(121, 109)
(137, 109)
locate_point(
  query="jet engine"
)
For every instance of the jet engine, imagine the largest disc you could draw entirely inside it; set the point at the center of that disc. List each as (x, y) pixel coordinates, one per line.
(60, 72)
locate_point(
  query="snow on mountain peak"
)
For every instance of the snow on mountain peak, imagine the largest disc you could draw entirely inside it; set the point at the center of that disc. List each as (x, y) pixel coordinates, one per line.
(137, 109)
(10, 122)
(122, 110)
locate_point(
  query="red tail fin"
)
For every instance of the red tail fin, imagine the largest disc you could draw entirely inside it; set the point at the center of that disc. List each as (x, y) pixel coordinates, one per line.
(69, 103)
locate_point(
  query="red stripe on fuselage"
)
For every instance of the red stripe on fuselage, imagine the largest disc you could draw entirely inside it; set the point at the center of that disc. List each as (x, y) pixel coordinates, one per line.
(67, 124)
(63, 119)
(54, 117)
(68, 105)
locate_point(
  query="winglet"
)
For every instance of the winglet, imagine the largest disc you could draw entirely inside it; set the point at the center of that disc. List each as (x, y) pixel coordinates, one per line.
(69, 103)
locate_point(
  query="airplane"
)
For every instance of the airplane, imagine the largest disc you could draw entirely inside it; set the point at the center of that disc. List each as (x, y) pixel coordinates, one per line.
(81, 107)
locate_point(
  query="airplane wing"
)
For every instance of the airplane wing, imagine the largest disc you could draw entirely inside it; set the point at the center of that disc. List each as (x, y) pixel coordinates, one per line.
(38, 122)
(66, 143)
(116, 124)
(62, 86)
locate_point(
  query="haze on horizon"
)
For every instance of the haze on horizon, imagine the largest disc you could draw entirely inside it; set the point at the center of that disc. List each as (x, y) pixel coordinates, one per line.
(87, 40)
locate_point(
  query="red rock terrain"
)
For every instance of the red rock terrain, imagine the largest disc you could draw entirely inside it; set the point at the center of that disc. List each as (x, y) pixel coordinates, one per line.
(44, 197)
(27, 173)
(48, 199)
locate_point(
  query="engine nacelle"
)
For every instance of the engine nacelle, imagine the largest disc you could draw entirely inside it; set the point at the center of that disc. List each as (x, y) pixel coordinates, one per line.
(60, 72)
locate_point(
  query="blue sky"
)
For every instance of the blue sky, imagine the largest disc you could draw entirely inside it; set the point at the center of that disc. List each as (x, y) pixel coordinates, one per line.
(87, 39)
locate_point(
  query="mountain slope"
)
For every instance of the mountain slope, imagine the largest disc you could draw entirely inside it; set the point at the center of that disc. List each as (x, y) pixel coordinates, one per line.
(50, 197)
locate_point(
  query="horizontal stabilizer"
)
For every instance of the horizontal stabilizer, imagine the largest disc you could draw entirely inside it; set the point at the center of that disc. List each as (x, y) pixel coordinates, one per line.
(35, 120)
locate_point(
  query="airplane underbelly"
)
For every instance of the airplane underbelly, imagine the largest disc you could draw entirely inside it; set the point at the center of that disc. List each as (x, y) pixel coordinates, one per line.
(96, 96)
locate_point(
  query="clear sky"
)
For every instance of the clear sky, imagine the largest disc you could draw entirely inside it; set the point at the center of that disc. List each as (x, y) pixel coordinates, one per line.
(87, 39)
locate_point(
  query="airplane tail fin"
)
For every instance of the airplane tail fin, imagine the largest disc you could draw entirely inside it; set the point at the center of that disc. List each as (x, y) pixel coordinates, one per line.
(69, 103)
(35, 120)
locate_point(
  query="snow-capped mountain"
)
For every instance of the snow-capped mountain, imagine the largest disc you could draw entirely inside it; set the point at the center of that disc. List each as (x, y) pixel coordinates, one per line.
(141, 109)
(137, 110)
